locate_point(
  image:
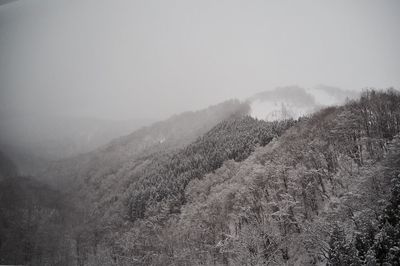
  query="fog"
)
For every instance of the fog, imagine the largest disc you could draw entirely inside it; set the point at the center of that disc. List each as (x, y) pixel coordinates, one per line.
(147, 60)
(135, 59)
(199, 132)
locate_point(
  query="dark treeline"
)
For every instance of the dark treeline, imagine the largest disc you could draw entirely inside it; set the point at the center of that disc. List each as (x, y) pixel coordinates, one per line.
(33, 224)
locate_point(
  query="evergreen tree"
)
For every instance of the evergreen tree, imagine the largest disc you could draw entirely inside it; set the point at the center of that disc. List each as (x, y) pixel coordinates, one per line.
(341, 252)
(387, 246)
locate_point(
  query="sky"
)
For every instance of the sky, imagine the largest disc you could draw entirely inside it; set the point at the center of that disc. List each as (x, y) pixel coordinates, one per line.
(125, 59)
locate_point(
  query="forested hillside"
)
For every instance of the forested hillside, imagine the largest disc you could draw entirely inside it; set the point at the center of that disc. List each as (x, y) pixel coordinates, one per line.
(321, 193)
(170, 134)
(33, 224)
(218, 187)
(35, 221)
(311, 196)
(33, 140)
(151, 189)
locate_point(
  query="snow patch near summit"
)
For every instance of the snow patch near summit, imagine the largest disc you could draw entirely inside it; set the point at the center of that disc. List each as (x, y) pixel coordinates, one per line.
(294, 102)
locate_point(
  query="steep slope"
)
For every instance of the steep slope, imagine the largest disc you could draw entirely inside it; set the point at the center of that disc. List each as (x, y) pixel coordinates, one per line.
(170, 134)
(153, 190)
(165, 177)
(32, 141)
(318, 194)
(228, 189)
(33, 221)
(33, 224)
(293, 201)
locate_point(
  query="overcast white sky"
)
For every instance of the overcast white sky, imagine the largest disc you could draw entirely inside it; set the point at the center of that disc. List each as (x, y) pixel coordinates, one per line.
(153, 58)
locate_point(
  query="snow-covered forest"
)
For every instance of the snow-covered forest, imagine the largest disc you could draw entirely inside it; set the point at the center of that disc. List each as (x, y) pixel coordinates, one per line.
(200, 133)
(222, 189)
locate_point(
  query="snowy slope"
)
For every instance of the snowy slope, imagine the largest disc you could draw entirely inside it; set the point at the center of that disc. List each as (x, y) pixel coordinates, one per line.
(294, 102)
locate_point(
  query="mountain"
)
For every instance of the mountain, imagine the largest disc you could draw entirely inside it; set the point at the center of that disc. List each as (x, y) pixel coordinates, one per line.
(220, 187)
(33, 220)
(143, 176)
(33, 223)
(32, 140)
(286, 200)
(164, 136)
(294, 102)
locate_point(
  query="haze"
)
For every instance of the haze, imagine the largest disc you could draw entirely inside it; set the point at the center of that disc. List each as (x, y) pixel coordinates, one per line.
(207, 132)
(151, 59)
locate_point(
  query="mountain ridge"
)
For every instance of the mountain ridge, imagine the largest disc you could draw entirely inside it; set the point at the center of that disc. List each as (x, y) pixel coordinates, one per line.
(219, 187)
